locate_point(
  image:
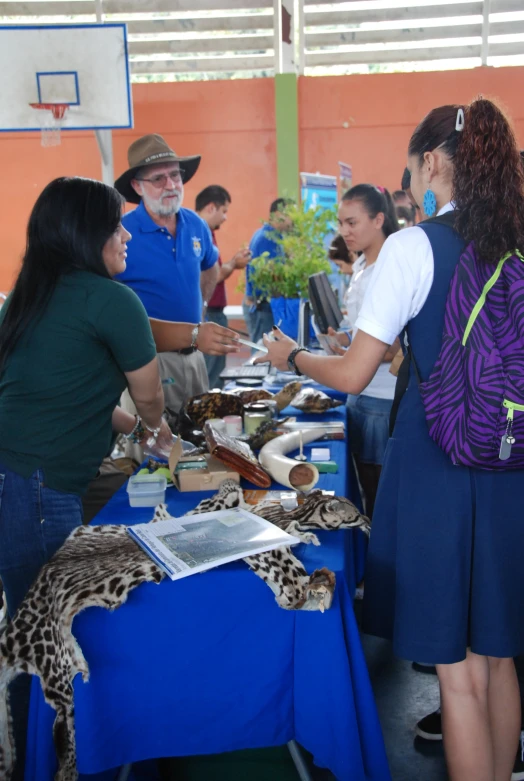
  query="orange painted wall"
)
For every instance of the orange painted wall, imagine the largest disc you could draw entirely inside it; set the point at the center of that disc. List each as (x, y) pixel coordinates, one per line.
(232, 124)
(382, 110)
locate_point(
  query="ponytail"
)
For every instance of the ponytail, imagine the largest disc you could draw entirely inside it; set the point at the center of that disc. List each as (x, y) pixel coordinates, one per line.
(376, 200)
(488, 182)
(488, 175)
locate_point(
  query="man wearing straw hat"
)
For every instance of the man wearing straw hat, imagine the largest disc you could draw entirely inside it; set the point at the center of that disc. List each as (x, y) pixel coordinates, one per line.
(171, 261)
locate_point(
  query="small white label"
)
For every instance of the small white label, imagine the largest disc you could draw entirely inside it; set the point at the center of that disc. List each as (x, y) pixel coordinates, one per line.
(320, 454)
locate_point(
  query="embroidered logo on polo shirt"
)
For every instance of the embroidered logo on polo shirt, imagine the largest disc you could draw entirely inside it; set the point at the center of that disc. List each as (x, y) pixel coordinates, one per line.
(197, 246)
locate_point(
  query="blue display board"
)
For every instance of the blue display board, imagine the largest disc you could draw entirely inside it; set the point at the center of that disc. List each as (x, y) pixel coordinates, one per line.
(318, 191)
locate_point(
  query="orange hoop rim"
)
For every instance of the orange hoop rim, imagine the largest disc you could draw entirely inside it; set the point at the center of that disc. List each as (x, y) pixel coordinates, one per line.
(58, 109)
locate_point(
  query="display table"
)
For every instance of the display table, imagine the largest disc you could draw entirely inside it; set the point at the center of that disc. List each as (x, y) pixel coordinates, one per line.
(211, 664)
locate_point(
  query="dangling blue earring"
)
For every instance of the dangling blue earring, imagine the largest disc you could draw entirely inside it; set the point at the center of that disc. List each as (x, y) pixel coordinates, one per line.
(430, 203)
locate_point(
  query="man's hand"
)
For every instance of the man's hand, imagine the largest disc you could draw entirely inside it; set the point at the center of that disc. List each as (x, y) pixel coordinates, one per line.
(279, 347)
(214, 339)
(241, 258)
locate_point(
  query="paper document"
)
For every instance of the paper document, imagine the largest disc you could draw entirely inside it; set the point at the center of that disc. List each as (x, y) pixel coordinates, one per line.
(195, 543)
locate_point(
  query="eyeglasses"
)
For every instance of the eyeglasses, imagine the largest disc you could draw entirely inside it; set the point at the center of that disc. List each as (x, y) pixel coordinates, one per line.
(160, 180)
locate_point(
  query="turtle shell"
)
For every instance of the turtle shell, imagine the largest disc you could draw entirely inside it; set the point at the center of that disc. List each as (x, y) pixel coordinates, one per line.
(255, 394)
(213, 405)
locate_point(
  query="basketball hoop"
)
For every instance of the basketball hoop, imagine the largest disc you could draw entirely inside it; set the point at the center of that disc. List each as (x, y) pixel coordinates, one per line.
(51, 117)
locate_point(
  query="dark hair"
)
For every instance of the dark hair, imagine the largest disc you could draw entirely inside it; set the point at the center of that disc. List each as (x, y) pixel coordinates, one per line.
(399, 195)
(212, 194)
(405, 182)
(69, 225)
(338, 250)
(280, 205)
(488, 178)
(375, 202)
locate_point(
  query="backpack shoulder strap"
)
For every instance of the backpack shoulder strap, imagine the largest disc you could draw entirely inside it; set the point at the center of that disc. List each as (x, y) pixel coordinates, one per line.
(447, 219)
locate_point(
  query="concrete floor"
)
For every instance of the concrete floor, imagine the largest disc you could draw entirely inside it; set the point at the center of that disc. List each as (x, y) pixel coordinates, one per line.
(403, 696)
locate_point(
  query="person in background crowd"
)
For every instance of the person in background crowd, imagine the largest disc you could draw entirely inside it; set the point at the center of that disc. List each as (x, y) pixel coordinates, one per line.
(171, 264)
(366, 218)
(339, 254)
(212, 204)
(71, 340)
(257, 308)
(444, 579)
(406, 216)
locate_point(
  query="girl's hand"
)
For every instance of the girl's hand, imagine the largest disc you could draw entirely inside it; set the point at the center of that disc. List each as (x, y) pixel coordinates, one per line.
(279, 347)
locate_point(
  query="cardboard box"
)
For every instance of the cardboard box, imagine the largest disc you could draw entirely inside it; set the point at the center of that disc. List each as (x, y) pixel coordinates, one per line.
(205, 474)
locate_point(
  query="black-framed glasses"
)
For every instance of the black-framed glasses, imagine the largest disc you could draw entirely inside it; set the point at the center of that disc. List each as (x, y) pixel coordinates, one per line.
(160, 180)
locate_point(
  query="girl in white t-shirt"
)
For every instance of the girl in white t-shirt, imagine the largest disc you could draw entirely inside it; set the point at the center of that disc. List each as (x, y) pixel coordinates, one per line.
(444, 577)
(366, 218)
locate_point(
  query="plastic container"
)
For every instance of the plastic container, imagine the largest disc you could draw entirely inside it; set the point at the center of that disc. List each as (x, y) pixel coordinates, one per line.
(146, 490)
(233, 425)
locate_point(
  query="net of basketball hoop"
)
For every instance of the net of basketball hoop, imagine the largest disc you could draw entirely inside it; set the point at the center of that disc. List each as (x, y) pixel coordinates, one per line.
(50, 118)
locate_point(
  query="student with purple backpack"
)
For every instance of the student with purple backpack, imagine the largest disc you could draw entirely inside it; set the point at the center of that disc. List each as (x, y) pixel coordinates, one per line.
(445, 580)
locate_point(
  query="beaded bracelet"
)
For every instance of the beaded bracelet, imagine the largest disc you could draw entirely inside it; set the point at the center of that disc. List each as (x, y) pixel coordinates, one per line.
(135, 436)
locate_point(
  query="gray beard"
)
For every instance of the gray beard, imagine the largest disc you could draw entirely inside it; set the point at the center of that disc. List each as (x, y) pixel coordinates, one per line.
(156, 207)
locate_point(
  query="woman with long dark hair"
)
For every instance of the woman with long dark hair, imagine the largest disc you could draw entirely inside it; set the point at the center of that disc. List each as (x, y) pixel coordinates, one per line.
(445, 580)
(71, 340)
(367, 217)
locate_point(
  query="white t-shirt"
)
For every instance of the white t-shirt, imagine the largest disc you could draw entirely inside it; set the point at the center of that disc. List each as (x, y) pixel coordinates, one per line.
(382, 386)
(400, 285)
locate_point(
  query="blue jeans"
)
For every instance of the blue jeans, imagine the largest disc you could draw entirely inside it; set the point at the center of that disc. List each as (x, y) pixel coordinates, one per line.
(34, 522)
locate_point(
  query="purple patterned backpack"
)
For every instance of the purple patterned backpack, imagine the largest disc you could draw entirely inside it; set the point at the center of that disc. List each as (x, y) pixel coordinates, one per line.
(474, 397)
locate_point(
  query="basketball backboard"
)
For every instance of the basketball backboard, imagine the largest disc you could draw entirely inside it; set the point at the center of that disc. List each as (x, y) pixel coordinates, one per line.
(82, 65)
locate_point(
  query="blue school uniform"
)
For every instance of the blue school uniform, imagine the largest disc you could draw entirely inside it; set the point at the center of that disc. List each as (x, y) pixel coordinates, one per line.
(445, 563)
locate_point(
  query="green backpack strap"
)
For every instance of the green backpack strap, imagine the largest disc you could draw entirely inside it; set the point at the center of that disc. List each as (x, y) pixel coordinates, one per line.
(487, 287)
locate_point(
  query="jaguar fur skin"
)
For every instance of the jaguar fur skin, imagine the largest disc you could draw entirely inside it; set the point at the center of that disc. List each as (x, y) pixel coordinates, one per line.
(98, 566)
(294, 589)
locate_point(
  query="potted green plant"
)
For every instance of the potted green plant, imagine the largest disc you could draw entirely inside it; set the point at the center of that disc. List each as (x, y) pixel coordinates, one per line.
(284, 281)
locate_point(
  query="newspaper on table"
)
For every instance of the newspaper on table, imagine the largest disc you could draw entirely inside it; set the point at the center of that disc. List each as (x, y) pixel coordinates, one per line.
(195, 543)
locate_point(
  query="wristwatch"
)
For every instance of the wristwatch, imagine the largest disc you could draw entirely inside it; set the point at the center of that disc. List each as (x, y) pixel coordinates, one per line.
(194, 335)
(291, 360)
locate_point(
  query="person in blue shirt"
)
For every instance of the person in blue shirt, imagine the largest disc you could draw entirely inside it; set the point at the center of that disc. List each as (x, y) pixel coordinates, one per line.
(257, 309)
(171, 261)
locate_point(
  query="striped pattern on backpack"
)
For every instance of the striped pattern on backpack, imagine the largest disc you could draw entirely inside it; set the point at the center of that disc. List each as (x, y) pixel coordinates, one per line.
(474, 397)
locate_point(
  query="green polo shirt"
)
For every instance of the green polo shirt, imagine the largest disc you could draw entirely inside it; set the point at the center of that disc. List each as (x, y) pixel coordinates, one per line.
(65, 377)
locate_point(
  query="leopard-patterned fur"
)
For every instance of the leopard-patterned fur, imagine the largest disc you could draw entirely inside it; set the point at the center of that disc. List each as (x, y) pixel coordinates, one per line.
(280, 569)
(99, 566)
(96, 566)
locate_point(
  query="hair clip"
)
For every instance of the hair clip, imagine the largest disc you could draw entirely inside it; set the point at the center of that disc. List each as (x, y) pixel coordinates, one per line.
(380, 189)
(459, 124)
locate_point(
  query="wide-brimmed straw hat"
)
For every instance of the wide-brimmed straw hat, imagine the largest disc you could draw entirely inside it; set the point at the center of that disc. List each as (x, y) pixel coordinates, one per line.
(149, 150)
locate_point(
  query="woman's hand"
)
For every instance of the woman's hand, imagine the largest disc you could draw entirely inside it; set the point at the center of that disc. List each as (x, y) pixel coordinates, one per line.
(214, 339)
(165, 436)
(279, 347)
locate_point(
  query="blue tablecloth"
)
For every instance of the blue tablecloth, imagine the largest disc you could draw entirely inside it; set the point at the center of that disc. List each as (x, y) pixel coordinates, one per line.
(211, 664)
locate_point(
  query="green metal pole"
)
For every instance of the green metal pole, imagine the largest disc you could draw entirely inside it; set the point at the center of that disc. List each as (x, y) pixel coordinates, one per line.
(286, 112)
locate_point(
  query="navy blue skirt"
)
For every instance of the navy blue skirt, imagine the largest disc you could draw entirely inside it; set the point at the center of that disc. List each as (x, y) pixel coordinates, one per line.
(445, 569)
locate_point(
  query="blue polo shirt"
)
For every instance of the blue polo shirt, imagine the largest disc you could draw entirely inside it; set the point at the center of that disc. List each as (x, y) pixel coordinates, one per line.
(263, 241)
(165, 272)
